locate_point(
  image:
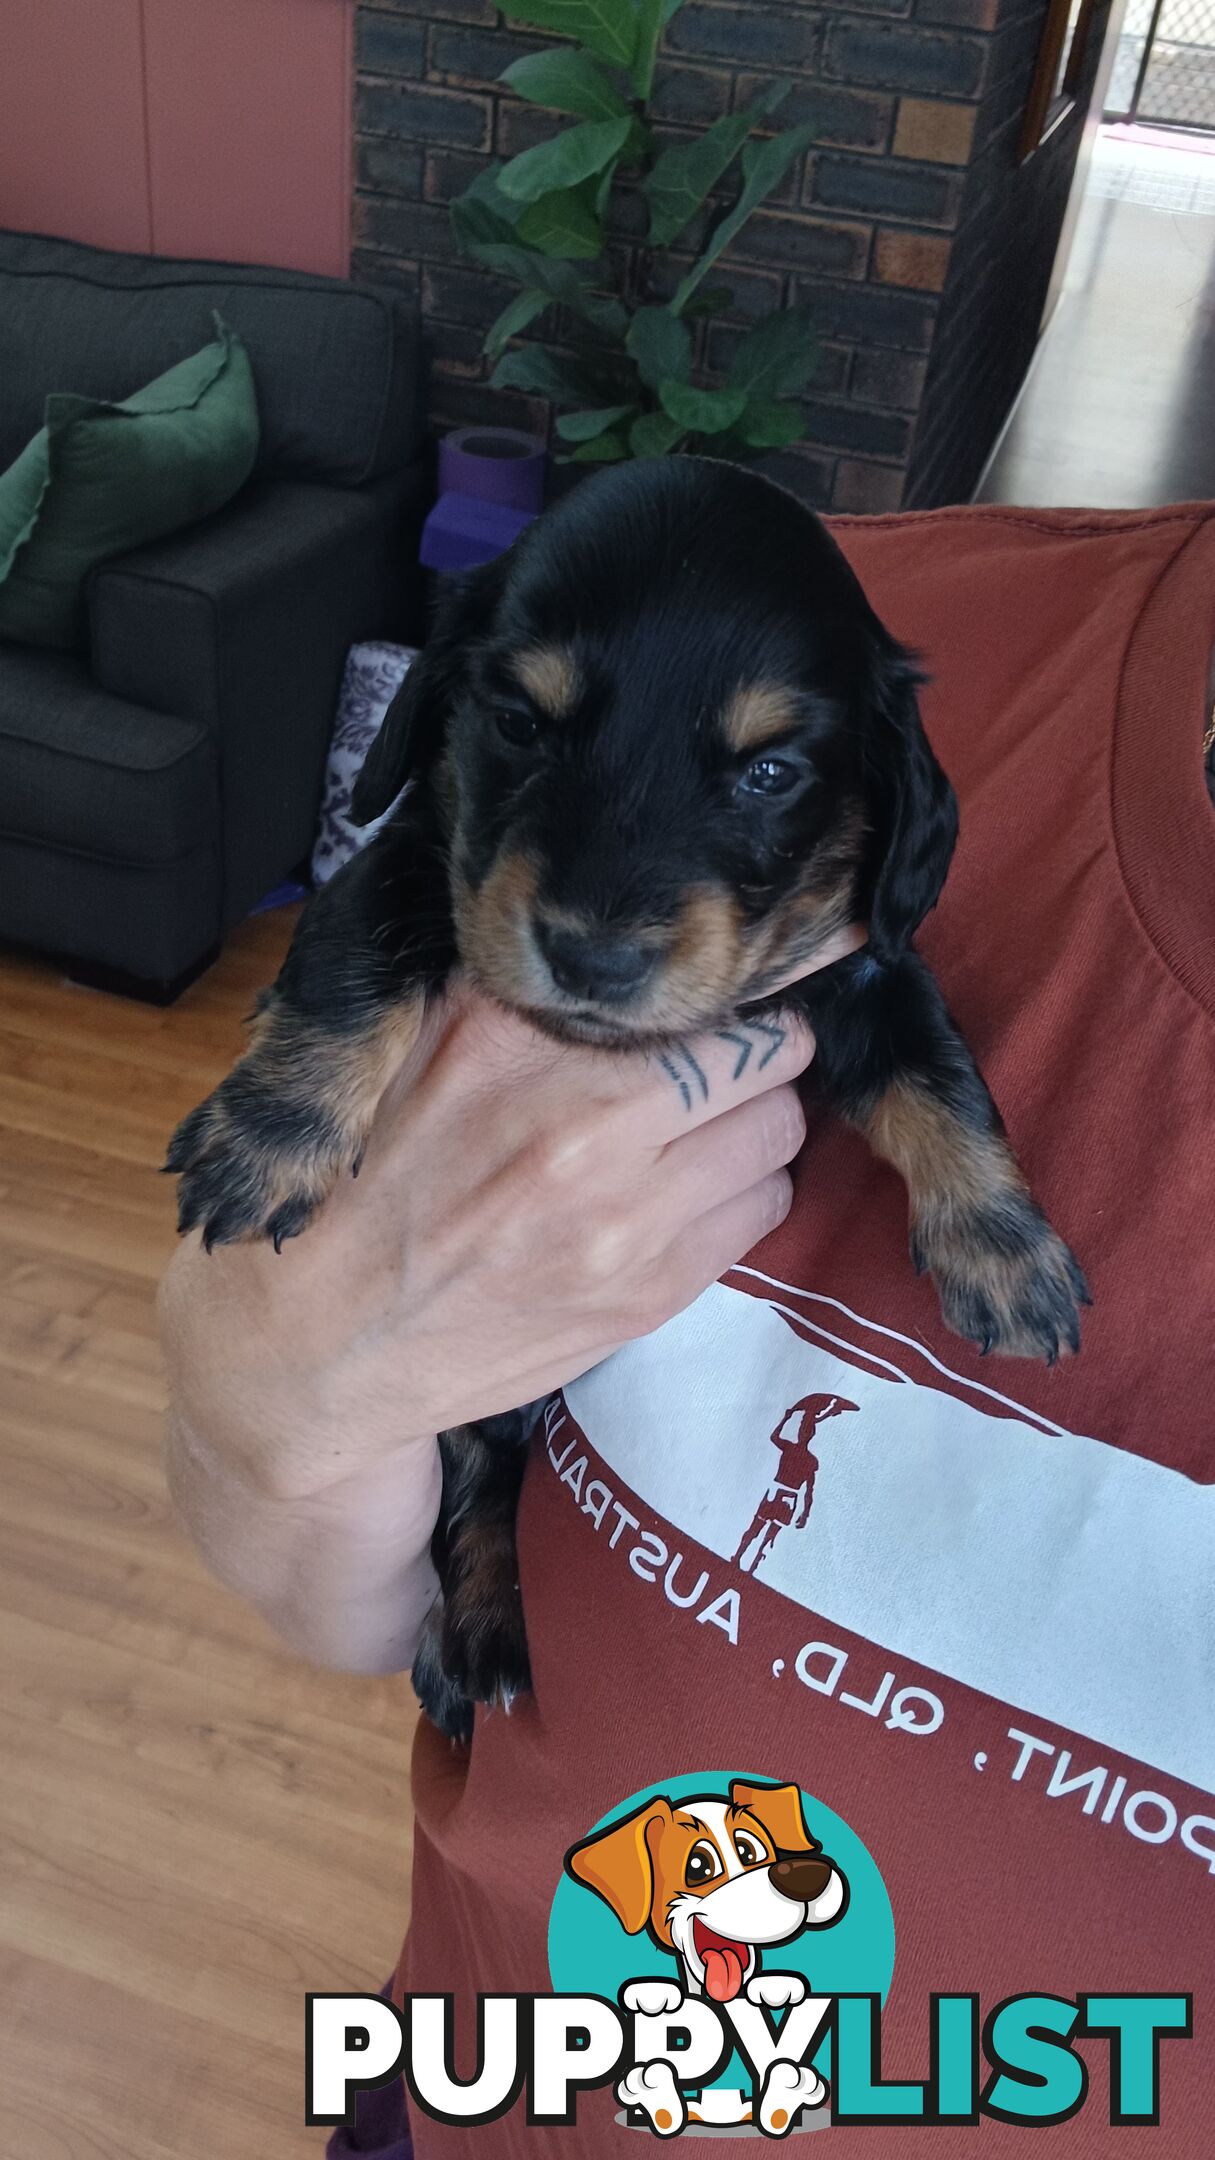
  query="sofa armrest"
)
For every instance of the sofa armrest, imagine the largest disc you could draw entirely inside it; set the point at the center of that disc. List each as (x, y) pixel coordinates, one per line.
(242, 624)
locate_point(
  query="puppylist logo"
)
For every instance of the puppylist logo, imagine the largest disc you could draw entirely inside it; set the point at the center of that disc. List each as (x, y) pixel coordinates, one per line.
(721, 1948)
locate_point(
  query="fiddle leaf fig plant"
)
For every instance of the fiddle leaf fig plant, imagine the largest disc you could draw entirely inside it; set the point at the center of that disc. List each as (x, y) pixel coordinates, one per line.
(542, 222)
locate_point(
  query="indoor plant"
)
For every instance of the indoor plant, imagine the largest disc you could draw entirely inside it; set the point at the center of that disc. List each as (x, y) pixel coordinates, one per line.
(543, 221)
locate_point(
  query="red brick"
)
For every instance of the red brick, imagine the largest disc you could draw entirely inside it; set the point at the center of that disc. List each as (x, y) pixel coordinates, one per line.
(919, 260)
(936, 133)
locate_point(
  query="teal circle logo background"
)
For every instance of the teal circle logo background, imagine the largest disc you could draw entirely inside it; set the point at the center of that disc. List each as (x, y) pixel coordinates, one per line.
(590, 1953)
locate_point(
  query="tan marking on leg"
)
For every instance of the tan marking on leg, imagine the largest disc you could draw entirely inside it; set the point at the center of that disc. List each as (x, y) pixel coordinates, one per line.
(549, 676)
(1005, 1277)
(948, 1167)
(343, 1074)
(301, 1067)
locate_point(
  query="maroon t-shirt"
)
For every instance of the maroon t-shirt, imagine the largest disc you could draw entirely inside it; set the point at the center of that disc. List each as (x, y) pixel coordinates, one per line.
(804, 1535)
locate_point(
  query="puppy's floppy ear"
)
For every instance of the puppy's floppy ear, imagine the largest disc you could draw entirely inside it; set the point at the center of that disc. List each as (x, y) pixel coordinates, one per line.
(411, 732)
(779, 1809)
(618, 1865)
(914, 809)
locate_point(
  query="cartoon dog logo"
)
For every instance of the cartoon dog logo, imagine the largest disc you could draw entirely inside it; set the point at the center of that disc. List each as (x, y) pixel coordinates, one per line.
(716, 1880)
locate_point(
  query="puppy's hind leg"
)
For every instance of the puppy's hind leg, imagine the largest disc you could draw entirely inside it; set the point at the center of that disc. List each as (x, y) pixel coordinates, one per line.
(474, 1647)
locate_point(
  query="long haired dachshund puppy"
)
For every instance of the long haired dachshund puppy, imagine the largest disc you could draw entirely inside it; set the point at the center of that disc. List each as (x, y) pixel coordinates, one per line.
(660, 752)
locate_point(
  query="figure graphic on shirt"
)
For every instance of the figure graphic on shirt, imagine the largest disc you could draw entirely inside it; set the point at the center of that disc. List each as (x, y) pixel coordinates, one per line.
(786, 1504)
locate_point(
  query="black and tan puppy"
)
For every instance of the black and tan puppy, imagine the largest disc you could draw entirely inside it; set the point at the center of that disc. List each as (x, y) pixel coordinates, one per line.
(659, 753)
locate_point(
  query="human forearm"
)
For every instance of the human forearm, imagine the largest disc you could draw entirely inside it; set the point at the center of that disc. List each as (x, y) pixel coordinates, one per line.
(296, 1496)
(344, 1576)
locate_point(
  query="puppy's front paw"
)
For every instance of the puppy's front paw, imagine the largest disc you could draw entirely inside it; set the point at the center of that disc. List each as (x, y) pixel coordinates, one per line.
(651, 1998)
(1006, 1280)
(776, 1990)
(252, 1163)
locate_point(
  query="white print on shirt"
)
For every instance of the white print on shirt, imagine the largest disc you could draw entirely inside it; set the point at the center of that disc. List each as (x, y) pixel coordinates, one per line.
(937, 1518)
(651, 1558)
(908, 1708)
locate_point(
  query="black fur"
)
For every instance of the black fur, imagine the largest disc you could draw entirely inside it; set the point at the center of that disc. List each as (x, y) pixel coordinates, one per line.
(659, 592)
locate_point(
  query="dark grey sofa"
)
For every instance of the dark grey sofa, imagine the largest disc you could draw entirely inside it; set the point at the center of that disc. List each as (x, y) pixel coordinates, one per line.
(156, 785)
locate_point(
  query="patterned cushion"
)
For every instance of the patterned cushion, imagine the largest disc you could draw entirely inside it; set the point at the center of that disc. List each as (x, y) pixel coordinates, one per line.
(373, 675)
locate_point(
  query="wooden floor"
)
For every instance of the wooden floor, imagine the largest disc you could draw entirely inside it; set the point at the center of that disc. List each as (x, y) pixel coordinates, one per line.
(194, 1828)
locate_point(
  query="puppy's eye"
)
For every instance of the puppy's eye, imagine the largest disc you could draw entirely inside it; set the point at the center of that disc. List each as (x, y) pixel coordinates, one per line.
(702, 1866)
(770, 776)
(520, 729)
(747, 1849)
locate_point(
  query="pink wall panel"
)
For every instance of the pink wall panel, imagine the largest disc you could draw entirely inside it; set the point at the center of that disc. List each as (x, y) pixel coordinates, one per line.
(72, 143)
(249, 130)
(181, 127)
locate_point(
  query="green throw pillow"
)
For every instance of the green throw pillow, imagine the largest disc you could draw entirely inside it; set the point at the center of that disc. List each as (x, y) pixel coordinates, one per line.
(100, 478)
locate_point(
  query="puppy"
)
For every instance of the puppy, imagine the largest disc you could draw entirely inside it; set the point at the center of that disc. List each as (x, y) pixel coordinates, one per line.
(658, 754)
(715, 1881)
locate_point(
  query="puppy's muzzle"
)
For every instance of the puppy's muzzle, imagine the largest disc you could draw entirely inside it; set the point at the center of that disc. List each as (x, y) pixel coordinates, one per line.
(597, 965)
(802, 1877)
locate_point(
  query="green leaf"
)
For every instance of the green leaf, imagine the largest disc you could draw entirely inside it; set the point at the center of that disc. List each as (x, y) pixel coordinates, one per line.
(649, 33)
(766, 425)
(482, 216)
(606, 27)
(702, 412)
(605, 450)
(777, 357)
(580, 427)
(563, 224)
(565, 161)
(515, 316)
(685, 174)
(654, 434)
(560, 279)
(660, 344)
(568, 81)
(688, 172)
(669, 8)
(764, 165)
(539, 373)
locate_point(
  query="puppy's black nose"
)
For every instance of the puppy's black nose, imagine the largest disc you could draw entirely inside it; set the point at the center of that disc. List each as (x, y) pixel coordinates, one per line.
(594, 964)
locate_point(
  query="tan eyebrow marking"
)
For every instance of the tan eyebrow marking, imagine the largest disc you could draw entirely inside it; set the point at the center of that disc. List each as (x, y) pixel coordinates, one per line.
(757, 714)
(549, 676)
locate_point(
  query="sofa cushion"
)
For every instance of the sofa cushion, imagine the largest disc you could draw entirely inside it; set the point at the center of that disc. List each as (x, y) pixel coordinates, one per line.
(100, 479)
(90, 774)
(338, 367)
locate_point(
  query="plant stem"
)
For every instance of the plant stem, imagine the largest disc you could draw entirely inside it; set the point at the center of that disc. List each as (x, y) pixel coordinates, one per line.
(643, 80)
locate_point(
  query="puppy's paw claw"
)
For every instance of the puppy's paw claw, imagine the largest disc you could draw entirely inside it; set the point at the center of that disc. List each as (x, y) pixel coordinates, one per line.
(250, 1165)
(444, 1702)
(1007, 1282)
(485, 1651)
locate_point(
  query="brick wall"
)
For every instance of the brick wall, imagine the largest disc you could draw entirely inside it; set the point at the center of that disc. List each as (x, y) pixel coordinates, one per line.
(873, 228)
